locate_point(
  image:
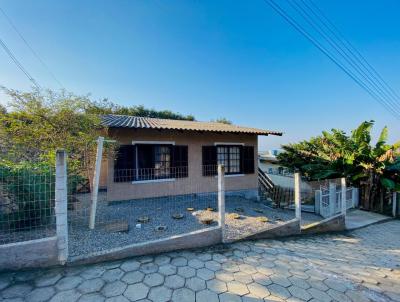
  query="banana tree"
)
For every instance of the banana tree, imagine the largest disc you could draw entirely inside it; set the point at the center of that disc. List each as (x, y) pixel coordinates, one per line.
(373, 167)
(378, 164)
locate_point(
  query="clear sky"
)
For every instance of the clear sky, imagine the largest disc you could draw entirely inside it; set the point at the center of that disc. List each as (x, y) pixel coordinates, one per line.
(233, 59)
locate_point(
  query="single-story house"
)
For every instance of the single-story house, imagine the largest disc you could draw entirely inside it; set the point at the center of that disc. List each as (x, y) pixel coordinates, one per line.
(162, 157)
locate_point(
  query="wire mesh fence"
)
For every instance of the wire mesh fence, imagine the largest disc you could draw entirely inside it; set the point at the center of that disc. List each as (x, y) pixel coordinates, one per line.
(261, 209)
(141, 205)
(248, 212)
(277, 189)
(27, 192)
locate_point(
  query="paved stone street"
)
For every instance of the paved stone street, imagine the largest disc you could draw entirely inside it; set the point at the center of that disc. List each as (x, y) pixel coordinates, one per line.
(360, 266)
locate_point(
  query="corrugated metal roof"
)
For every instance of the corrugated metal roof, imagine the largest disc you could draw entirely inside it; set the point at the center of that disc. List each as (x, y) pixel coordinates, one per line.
(135, 122)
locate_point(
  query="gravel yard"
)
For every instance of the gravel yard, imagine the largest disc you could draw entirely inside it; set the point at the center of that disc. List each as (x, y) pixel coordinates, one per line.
(249, 222)
(160, 212)
(117, 223)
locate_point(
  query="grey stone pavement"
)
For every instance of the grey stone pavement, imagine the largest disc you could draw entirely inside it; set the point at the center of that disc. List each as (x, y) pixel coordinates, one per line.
(363, 265)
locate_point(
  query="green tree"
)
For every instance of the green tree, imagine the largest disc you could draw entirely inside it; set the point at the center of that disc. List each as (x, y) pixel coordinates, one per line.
(3, 109)
(38, 123)
(35, 125)
(107, 107)
(223, 120)
(373, 167)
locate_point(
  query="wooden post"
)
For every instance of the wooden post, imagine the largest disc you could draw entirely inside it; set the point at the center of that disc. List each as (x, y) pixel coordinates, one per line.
(297, 195)
(332, 198)
(61, 208)
(344, 203)
(96, 178)
(394, 205)
(221, 197)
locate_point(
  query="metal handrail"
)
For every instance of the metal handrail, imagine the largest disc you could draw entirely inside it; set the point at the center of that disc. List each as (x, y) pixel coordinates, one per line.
(265, 179)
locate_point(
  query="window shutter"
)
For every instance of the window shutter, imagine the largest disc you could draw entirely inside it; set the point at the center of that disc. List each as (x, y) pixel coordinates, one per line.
(145, 157)
(180, 161)
(248, 159)
(209, 160)
(124, 164)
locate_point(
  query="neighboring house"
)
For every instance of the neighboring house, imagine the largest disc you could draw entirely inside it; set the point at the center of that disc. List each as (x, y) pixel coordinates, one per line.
(279, 175)
(268, 160)
(269, 163)
(155, 152)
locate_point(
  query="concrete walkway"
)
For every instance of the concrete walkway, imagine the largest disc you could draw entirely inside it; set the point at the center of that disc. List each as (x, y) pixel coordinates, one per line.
(356, 219)
(362, 265)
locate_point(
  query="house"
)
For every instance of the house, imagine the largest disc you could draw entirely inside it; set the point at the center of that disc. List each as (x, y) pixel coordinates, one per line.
(162, 157)
(269, 163)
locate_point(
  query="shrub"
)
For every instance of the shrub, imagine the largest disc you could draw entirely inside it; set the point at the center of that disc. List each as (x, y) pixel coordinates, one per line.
(29, 188)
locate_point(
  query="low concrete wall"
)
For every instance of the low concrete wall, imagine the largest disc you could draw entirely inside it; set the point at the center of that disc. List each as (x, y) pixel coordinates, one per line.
(201, 238)
(292, 227)
(335, 223)
(29, 254)
(250, 194)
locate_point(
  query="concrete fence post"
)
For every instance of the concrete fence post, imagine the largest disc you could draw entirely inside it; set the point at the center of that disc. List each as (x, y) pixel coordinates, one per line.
(317, 202)
(332, 198)
(96, 179)
(394, 204)
(221, 197)
(344, 202)
(61, 208)
(297, 195)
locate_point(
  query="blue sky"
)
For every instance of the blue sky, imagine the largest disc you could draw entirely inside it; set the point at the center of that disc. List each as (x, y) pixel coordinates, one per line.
(233, 59)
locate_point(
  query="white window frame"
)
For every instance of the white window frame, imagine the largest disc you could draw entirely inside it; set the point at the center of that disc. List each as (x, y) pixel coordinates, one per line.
(237, 144)
(153, 181)
(153, 143)
(231, 175)
(230, 144)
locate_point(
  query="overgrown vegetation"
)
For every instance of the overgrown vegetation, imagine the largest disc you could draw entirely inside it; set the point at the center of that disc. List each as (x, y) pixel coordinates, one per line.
(26, 195)
(36, 123)
(107, 107)
(375, 168)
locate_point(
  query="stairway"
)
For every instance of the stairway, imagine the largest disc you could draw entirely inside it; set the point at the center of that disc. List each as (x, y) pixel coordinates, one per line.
(280, 197)
(265, 181)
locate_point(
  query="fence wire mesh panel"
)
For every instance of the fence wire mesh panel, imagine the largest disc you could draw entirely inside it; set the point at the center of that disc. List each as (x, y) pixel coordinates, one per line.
(141, 205)
(250, 211)
(277, 191)
(27, 192)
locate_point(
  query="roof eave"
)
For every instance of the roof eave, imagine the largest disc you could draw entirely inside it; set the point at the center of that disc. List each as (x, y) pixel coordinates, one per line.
(195, 130)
